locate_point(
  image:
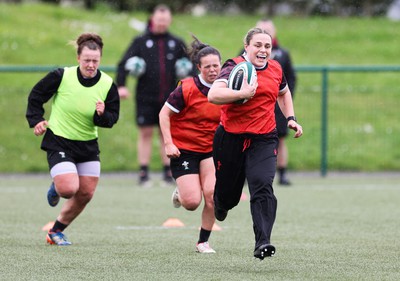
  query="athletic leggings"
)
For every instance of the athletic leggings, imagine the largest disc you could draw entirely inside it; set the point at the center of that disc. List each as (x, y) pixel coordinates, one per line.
(238, 157)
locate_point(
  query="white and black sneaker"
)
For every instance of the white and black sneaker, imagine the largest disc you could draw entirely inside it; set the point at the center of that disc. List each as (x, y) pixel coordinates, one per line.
(175, 198)
(204, 248)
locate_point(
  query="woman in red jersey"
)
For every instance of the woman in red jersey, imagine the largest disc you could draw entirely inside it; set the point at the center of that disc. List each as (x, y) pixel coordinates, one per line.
(246, 142)
(188, 123)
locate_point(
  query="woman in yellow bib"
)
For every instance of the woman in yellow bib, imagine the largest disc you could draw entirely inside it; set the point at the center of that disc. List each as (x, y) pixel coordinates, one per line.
(84, 98)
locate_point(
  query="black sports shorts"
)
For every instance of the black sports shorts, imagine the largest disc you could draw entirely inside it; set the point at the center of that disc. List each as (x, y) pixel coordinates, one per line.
(60, 149)
(187, 163)
(147, 113)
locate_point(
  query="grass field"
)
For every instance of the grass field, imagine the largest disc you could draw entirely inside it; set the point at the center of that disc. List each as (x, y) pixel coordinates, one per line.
(343, 227)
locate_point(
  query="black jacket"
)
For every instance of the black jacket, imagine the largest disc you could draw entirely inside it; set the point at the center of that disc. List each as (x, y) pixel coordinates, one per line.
(160, 53)
(283, 57)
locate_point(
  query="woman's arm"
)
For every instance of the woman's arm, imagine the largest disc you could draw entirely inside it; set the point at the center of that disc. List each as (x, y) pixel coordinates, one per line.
(285, 103)
(110, 115)
(220, 93)
(165, 126)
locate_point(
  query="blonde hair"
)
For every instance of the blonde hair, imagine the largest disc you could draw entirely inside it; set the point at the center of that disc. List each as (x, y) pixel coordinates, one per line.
(250, 34)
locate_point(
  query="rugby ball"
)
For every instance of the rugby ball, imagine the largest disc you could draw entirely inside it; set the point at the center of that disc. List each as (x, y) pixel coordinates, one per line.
(236, 77)
(136, 66)
(183, 67)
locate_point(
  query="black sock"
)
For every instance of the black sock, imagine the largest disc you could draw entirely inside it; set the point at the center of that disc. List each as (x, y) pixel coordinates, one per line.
(144, 172)
(167, 171)
(58, 227)
(204, 235)
(282, 172)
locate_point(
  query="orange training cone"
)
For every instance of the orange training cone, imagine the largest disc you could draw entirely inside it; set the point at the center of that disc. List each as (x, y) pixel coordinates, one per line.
(173, 222)
(48, 226)
(215, 227)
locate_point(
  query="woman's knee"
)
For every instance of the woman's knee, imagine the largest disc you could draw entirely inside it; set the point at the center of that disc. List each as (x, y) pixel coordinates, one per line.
(87, 187)
(67, 186)
(209, 198)
(190, 203)
(84, 197)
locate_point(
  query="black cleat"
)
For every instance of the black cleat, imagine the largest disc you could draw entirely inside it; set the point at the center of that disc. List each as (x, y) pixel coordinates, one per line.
(220, 214)
(168, 179)
(266, 250)
(144, 181)
(285, 181)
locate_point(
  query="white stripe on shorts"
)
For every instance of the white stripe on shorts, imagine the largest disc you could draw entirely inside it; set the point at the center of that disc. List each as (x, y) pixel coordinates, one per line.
(90, 169)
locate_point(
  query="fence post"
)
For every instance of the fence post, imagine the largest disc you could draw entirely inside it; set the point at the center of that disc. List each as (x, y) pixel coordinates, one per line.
(324, 122)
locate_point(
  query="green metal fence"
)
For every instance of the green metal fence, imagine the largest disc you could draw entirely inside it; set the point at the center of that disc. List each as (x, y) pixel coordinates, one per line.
(325, 71)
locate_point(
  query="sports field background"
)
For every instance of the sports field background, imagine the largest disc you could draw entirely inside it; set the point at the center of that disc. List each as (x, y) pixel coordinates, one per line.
(363, 134)
(342, 227)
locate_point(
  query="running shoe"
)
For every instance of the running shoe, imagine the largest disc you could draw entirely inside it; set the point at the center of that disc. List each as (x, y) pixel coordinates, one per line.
(52, 197)
(266, 250)
(168, 179)
(175, 198)
(204, 248)
(284, 181)
(57, 238)
(144, 181)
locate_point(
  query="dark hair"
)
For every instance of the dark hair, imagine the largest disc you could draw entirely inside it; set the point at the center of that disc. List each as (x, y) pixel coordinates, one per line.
(160, 8)
(252, 32)
(199, 50)
(89, 40)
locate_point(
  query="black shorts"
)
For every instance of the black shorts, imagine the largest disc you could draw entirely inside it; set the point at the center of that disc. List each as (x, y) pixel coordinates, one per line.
(60, 149)
(281, 122)
(147, 113)
(188, 163)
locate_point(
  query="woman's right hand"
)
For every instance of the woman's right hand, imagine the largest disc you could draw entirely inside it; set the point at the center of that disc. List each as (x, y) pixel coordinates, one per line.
(248, 91)
(123, 92)
(40, 128)
(172, 151)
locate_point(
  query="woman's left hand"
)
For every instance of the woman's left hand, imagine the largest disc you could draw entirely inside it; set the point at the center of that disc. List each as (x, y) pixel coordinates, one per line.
(295, 127)
(100, 106)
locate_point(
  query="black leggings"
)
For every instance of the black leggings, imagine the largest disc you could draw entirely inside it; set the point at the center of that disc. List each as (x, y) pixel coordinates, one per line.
(238, 157)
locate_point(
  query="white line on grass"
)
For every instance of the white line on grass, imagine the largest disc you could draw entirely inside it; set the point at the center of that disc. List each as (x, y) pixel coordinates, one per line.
(144, 227)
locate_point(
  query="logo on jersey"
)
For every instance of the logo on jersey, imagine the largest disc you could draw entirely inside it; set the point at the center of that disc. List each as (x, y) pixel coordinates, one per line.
(185, 165)
(171, 44)
(149, 43)
(62, 154)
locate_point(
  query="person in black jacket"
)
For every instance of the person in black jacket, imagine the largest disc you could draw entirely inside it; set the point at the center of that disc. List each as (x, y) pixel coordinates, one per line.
(158, 52)
(84, 98)
(283, 57)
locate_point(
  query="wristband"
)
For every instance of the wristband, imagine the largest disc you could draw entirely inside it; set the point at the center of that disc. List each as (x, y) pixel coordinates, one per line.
(291, 118)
